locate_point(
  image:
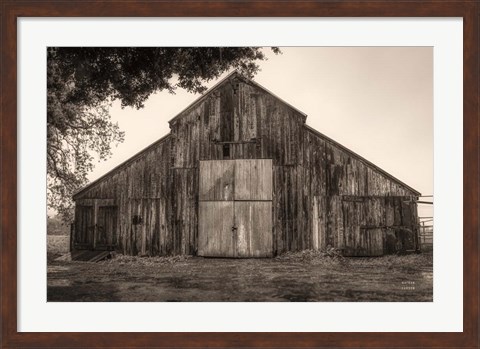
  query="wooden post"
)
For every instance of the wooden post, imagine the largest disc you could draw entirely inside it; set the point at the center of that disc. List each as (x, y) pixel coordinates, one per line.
(72, 235)
(315, 242)
(95, 214)
(423, 232)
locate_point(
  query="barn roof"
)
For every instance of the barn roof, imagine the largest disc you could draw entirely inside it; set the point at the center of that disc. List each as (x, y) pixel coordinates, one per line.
(360, 158)
(227, 78)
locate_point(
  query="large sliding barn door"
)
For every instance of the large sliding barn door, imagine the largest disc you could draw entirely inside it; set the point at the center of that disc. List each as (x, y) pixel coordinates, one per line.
(235, 208)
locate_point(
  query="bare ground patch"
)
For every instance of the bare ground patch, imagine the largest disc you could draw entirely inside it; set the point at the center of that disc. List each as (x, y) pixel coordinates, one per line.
(306, 276)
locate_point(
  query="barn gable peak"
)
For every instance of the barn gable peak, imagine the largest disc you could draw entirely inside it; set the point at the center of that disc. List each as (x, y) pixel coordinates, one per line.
(230, 78)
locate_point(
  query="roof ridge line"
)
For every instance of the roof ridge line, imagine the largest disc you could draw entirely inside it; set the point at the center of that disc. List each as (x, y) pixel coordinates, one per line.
(204, 95)
(122, 164)
(225, 79)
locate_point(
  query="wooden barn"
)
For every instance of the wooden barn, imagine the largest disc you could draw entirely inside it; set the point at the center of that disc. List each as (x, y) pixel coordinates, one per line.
(241, 175)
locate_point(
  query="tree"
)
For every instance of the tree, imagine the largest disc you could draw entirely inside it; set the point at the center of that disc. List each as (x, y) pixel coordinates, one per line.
(82, 82)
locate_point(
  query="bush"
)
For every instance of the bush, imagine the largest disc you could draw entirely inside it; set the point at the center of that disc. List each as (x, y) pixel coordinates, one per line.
(55, 226)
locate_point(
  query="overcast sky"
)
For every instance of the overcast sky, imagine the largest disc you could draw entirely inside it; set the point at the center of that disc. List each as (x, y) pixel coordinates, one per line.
(376, 101)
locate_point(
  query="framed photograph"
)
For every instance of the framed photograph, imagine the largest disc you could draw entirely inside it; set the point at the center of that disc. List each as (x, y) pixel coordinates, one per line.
(240, 174)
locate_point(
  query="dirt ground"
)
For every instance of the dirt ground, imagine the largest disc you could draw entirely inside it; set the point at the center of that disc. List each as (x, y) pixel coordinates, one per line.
(296, 277)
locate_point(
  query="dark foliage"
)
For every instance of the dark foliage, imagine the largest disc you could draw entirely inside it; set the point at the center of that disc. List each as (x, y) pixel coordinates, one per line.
(82, 83)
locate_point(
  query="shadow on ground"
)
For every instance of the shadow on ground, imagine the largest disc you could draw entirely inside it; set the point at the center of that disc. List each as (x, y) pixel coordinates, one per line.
(294, 278)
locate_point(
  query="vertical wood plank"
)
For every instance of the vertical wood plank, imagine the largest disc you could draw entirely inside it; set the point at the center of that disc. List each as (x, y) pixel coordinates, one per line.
(215, 237)
(315, 224)
(253, 220)
(216, 180)
(253, 179)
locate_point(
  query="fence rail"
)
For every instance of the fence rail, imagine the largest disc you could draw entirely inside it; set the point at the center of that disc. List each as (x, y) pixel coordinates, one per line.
(426, 236)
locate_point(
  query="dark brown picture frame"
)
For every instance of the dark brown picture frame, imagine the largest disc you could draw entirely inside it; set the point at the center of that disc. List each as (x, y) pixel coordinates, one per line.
(11, 10)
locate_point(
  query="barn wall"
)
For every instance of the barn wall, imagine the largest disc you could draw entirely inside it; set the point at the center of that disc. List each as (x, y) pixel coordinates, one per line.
(253, 124)
(311, 177)
(355, 207)
(162, 183)
(141, 187)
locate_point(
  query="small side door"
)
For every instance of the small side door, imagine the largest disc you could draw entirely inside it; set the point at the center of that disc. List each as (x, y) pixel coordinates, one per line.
(363, 233)
(84, 227)
(106, 227)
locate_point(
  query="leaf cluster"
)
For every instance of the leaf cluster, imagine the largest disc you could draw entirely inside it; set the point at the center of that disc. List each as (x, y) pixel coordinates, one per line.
(82, 82)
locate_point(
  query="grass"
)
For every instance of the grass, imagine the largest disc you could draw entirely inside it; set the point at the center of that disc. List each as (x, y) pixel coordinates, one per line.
(299, 276)
(57, 245)
(334, 258)
(122, 260)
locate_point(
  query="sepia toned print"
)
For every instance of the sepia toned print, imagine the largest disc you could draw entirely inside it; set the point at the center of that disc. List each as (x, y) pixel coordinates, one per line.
(243, 200)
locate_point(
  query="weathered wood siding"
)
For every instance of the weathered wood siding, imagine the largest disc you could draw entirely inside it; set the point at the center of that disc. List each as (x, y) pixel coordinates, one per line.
(259, 127)
(235, 208)
(107, 226)
(215, 229)
(217, 180)
(240, 120)
(253, 124)
(254, 228)
(364, 226)
(141, 187)
(83, 225)
(356, 207)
